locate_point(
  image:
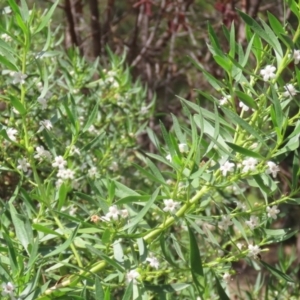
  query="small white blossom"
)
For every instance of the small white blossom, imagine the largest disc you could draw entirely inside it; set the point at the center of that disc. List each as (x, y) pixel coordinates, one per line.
(42, 153)
(92, 129)
(73, 210)
(11, 132)
(170, 205)
(243, 106)
(74, 150)
(5, 37)
(18, 77)
(253, 250)
(240, 205)
(240, 246)
(169, 157)
(124, 213)
(113, 213)
(227, 277)
(132, 276)
(43, 102)
(92, 172)
(45, 124)
(220, 252)
(65, 174)
(227, 167)
(249, 164)
(289, 90)
(114, 166)
(272, 169)
(224, 100)
(58, 183)
(183, 147)
(268, 72)
(253, 222)
(225, 223)
(8, 289)
(23, 164)
(153, 261)
(273, 212)
(83, 167)
(59, 162)
(296, 56)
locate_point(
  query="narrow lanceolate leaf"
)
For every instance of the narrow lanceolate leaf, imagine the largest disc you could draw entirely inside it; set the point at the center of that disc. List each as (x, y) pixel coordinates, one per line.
(246, 99)
(46, 18)
(65, 245)
(277, 272)
(128, 292)
(244, 151)
(142, 213)
(195, 258)
(221, 292)
(99, 293)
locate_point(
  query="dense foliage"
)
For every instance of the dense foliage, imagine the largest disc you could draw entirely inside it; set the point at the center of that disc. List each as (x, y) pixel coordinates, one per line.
(86, 214)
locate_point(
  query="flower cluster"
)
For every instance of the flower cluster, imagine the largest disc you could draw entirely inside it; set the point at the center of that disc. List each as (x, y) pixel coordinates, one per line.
(114, 213)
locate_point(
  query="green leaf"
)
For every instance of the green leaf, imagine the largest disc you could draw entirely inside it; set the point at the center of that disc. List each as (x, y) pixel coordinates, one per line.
(275, 24)
(45, 19)
(128, 291)
(7, 63)
(23, 231)
(238, 120)
(24, 10)
(65, 245)
(221, 292)
(265, 33)
(11, 251)
(142, 213)
(99, 293)
(261, 184)
(13, 5)
(294, 7)
(279, 274)
(17, 105)
(109, 260)
(44, 229)
(223, 62)
(246, 99)
(91, 118)
(244, 151)
(167, 288)
(195, 258)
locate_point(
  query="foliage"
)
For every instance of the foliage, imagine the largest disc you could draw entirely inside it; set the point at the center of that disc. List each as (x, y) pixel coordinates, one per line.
(78, 223)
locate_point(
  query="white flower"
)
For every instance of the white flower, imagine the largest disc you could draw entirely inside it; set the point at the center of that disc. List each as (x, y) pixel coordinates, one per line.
(65, 174)
(45, 124)
(253, 222)
(18, 77)
(296, 56)
(224, 100)
(132, 275)
(240, 205)
(170, 205)
(11, 132)
(289, 90)
(272, 169)
(23, 164)
(124, 213)
(59, 162)
(8, 289)
(74, 150)
(5, 37)
(268, 72)
(169, 157)
(92, 172)
(83, 167)
(58, 183)
(153, 261)
(113, 213)
(183, 147)
(273, 212)
(249, 164)
(240, 246)
(227, 167)
(225, 223)
(227, 277)
(253, 250)
(92, 129)
(43, 102)
(114, 166)
(42, 153)
(243, 106)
